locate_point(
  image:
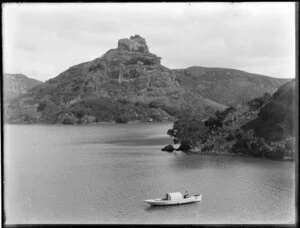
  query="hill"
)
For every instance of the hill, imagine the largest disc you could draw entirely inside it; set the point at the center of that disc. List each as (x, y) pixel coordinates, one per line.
(262, 127)
(227, 86)
(17, 84)
(125, 84)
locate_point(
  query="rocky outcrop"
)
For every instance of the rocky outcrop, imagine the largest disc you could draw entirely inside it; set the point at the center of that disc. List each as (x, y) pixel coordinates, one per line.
(135, 43)
(168, 148)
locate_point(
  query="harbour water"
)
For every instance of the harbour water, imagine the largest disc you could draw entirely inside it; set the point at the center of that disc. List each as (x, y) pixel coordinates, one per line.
(103, 173)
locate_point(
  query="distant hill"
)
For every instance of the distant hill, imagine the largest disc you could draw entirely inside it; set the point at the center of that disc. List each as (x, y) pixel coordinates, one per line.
(17, 84)
(130, 84)
(227, 86)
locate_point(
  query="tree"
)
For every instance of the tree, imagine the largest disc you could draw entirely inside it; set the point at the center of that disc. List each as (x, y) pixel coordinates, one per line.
(187, 132)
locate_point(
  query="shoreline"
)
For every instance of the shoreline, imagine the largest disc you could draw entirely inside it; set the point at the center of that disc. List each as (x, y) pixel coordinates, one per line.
(94, 123)
(195, 152)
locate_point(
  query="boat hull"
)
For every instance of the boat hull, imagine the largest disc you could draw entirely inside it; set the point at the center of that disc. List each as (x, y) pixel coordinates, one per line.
(161, 202)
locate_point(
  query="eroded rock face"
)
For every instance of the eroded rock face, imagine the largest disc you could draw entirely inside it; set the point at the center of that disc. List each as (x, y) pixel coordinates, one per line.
(135, 43)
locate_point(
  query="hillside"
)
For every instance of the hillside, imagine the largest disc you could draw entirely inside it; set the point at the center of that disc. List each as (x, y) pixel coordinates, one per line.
(263, 127)
(125, 84)
(227, 86)
(17, 84)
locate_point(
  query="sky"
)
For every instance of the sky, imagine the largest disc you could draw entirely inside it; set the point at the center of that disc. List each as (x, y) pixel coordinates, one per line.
(42, 40)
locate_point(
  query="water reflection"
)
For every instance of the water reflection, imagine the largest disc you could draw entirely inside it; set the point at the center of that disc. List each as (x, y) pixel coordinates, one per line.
(183, 207)
(140, 141)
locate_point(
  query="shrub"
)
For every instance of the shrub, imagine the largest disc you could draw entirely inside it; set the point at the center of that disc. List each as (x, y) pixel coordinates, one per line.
(213, 122)
(153, 104)
(121, 119)
(68, 120)
(207, 147)
(80, 113)
(257, 103)
(42, 106)
(188, 131)
(123, 101)
(229, 137)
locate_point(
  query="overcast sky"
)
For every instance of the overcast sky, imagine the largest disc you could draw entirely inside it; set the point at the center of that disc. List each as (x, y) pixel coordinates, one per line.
(42, 40)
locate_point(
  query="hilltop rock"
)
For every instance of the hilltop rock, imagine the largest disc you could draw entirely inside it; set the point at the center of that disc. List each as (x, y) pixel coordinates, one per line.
(135, 43)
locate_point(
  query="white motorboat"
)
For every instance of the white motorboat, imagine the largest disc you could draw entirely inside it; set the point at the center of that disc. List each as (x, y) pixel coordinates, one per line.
(174, 198)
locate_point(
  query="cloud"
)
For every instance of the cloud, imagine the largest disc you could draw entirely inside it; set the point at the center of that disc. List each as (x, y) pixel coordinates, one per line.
(46, 39)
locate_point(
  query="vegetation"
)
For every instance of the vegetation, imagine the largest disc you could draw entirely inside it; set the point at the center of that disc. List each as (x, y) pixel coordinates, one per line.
(262, 128)
(257, 103)
(187, 132)
(42, 106)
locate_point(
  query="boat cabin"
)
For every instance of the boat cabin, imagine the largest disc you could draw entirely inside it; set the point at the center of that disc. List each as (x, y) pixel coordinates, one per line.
(174, 196)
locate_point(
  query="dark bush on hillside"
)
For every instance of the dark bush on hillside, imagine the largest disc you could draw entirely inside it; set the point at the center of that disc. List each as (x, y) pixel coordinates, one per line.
(80, 113)
(99, 66)
(42, 106)
(213, 122)
(240, 146)
(230, 137)
(154, 104)
(122, 119)
(123, 101)
(207, 148)
(257, 103)
(140, 104)
(217, 120)
(68, 120)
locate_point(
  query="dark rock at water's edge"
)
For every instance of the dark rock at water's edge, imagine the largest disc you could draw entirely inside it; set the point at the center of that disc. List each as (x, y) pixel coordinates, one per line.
(129, 84)
(185, 146)
(168, 148)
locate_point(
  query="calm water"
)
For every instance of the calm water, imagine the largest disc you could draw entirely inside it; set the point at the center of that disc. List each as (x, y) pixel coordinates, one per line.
(103, 174)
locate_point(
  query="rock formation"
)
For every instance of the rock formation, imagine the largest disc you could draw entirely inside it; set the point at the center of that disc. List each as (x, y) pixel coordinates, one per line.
(135, 43)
